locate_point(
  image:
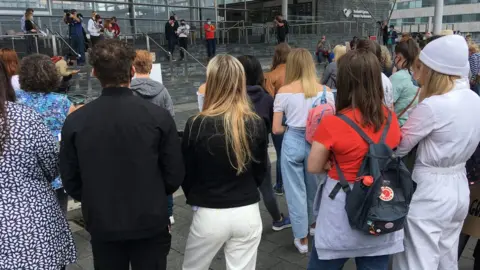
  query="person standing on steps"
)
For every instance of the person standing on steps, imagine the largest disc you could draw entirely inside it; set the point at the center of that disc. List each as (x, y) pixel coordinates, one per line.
(282, 29)
(183, 31)
(94, 28)
(210, 37)
(171, 34)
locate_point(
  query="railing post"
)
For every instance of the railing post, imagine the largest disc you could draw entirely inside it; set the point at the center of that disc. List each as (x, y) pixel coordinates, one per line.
(54, 45)
(185, 64)
(171, 66)
(36, 42)
(148, 42)
(13, 43)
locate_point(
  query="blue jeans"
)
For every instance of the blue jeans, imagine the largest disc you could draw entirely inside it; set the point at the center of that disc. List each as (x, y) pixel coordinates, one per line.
(277, 143)
(300, 186)
(170, 205)
(211, 47)
(78, 44)
(362, 263)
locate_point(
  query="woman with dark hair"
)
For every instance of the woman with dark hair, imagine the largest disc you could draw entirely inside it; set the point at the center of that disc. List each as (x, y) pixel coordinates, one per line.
(10, 58)
(263, 105)
(274, 80)
(405, 90)
(360, 99)
(35, 233)
(38, 79)
(375, 48)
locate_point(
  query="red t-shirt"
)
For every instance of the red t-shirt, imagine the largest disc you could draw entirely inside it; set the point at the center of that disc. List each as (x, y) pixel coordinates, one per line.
(209, 34)
(349, 148)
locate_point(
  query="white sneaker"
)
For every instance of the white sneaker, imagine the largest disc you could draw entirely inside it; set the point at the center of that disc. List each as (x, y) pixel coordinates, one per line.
(172, 220)
(312, 231)
(303, 249)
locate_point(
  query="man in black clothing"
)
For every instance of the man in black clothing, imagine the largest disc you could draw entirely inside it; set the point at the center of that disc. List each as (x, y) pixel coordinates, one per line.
(282, 28)
(171, 34)
(385, 33)
(120, 157)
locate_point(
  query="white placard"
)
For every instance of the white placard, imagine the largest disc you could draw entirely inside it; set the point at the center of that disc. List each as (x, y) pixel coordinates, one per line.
(156, 73)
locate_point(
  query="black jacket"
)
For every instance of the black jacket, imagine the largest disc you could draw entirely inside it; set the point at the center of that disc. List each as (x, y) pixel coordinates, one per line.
(120, 156)
(210, 180)
(171, 31)
(263, 104)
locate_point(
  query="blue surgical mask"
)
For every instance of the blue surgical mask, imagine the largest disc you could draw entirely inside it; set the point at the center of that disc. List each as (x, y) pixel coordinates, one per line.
(209, 22)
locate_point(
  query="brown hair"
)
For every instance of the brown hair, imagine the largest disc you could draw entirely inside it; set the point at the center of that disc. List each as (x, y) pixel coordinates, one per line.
(359, 86)
(112, 61)
(372, 47)
(38, 74)
(143, 62)
(281, 53)
(107, 23)
(409, 49)
(10, 59)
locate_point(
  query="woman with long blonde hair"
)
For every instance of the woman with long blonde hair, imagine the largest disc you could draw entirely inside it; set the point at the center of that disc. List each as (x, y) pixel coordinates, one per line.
(225, 152)
(447, 134)
(293, 101)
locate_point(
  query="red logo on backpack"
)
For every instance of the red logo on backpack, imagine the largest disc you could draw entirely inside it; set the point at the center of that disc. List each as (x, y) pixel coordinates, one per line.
(316, 113)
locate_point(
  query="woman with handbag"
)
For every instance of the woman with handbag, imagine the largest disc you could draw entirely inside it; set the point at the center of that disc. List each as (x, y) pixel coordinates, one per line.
(405, 92)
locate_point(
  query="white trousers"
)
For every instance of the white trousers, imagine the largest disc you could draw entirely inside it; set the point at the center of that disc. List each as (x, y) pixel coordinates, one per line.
(240, 229)
(437, 211)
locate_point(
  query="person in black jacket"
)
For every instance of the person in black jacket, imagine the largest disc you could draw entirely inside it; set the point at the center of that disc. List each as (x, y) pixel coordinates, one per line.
(282, 28)
(120, 157)
(225, 151)
(263, 105)
(171, 34)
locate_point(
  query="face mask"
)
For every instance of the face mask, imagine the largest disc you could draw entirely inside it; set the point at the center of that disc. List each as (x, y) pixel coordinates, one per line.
(182, 23)
(209, 22)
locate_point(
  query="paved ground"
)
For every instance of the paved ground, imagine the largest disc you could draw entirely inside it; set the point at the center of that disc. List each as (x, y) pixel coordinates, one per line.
(276, 250)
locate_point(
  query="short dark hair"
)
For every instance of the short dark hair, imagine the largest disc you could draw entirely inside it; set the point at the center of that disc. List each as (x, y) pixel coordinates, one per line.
(38, 74)
(112, 61)
(114, 18)
(28, 10)
(359, 86)
(253, 70)
(172, 18)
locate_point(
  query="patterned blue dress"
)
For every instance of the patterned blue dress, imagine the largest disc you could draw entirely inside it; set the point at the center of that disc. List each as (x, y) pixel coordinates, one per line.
(34, 233)
(53, 108)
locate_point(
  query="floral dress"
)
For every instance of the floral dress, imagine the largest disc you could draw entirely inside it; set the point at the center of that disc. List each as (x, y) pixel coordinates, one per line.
(34, 233)
(53, 108)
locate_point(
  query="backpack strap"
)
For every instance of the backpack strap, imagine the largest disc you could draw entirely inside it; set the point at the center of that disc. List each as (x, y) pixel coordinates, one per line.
(342, 182)
(324, 95)
(387, 127)
(356, 128)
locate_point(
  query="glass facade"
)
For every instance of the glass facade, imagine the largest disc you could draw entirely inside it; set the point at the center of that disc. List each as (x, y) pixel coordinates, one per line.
(462, 18)
(430, 3)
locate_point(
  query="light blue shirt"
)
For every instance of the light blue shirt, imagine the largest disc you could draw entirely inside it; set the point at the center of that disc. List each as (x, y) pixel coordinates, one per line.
(403, 93)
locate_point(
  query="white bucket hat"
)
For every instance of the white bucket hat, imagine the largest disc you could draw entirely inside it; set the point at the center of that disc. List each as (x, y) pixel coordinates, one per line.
(447, 55)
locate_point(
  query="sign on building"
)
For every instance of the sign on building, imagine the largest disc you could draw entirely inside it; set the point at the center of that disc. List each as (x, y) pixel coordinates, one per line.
(357, 13)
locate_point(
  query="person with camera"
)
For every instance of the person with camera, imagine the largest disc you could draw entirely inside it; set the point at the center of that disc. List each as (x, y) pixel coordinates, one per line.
(94, 28)
(75, 32)
(282, 28)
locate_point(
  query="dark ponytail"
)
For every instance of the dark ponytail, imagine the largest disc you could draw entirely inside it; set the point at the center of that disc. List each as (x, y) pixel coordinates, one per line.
(409, 49)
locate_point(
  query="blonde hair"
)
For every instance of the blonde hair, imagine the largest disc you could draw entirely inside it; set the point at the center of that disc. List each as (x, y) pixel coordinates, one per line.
(435, 83)
(386, 57)
(143, 62)
(338, 52)
(473, 47)
(300, 67)
(446, 32)
(226, 96)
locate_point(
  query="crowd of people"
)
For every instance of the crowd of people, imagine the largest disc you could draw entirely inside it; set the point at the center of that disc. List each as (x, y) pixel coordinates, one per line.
(121, 157)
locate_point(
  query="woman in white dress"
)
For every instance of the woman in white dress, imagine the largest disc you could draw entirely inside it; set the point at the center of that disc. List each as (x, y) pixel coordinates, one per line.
(447, 133)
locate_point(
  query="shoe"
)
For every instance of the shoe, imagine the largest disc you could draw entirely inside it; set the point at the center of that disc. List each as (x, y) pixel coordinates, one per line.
(303, 249)
(172, 220)
(282, 224)
(278, 190)
(312, 231)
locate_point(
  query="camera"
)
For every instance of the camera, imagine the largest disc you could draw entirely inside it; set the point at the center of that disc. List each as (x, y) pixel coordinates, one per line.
(67, 12)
